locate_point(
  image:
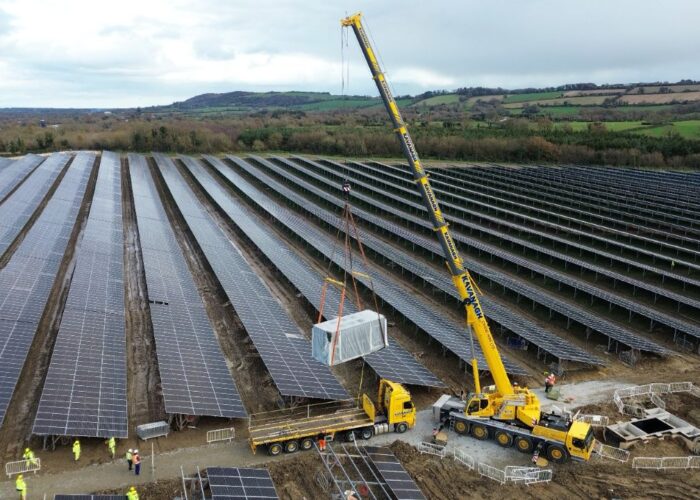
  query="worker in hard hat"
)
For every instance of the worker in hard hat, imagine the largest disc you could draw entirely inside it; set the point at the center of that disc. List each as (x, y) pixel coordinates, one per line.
(29, 457)
(549, 382)
(132, 494)
(76, 450)
(21, 487)
(137, 462)
(130, 458)
(111, 446)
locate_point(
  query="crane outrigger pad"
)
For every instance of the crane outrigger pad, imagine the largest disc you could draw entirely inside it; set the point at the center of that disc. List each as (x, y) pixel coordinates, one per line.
(349, 337)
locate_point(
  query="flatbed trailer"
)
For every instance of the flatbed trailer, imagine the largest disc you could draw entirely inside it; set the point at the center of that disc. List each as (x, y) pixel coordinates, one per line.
(290, 430)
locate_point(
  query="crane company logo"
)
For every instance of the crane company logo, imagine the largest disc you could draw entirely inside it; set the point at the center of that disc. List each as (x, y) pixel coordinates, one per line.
(472, 296)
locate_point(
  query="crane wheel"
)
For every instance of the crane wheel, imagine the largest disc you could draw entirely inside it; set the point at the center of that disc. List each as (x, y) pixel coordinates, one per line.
(306, 444)
(274, 449)
(480, 432)
(523, 444)
(557, 453)
(401, 427)
(291, 446)
(504, 439)
(461, 427)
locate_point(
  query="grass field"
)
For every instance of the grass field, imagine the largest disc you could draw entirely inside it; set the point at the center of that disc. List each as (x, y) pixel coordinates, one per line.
(439, 99)
(535, 96)
(689, 129)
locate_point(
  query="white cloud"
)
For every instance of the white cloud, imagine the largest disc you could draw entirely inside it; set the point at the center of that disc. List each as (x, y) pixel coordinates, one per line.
(141, 52)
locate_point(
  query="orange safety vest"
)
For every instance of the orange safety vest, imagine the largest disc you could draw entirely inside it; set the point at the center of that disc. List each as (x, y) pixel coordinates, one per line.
(136, 459)
(551, 379)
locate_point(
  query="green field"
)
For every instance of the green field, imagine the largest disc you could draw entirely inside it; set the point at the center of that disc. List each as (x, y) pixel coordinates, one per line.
(534, 96)
(439, 99)
(689, 129)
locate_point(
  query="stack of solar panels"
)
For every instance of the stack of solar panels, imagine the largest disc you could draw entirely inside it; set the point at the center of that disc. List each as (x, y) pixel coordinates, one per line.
(393, 363)
(397, 480)
(283, 348)
(85, 389)
(15, 172)
(193, 371)
(240, 483)
(27, 279)
(18, 208)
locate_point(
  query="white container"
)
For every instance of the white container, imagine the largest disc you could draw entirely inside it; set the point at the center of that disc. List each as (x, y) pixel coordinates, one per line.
(359, 334)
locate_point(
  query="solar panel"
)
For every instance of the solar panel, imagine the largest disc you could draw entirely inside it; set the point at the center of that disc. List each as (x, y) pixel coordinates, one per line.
(17, 209)
(240, 483)
(393, 363)
(391, 291)
(27, 279)
(547, 299)
(14, 172)
(392, 472)
(282, 346)
(85, 389)
(193, 371)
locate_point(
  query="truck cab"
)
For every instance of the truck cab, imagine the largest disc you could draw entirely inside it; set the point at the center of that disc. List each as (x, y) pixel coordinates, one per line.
(397, 405)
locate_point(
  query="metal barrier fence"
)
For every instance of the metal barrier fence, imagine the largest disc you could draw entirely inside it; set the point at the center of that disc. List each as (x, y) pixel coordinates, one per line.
(652, 391)
(466, 460)
(22, 466)
(605, 451)
(527, 475)
(660, 463)
(432, 449)
(497, 475)
(227, 434)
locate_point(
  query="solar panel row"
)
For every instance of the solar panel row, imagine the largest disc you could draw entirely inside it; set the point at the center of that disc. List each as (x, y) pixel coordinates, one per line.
(194, 375)
(516, 323)
(510, 181)
(17, 209)
(27, 279)
(282, 346)
(85, 389)
(448, 333)
(240, 483)
(393, 363)
(15, 172)
(392, 472)
(540, 296)
(527, 245)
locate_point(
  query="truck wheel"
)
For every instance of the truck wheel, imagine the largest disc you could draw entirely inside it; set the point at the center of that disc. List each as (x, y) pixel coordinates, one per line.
(461, 427)
(274, 449)
(504, 439)
(523, 444)
(557, 453)
(306, 444)
(480, 432)
(367, 433)
(401, 427)
(291, 446)
(350, 436)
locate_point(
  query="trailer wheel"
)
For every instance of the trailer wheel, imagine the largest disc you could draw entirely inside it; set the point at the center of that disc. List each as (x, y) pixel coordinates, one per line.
(523, 444)
(504, 439)
(306, 444)
(557, 453)
(480, 432)
(274, 449)
(350, 436)
(367, 433)
(461, 427)
(401, 427)
(291, 446)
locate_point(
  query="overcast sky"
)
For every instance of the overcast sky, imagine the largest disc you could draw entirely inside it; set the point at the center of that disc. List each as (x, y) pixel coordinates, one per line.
(92, 53)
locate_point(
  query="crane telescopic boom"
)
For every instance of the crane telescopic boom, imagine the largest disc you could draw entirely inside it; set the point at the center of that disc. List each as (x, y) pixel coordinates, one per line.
(476, 320)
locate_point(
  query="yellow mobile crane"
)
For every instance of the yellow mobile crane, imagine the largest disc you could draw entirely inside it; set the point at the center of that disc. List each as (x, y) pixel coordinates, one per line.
(510, 415)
